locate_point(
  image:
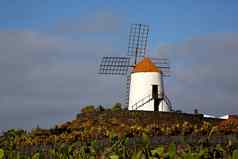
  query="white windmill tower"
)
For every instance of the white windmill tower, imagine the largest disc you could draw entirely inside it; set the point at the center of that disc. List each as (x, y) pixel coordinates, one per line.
(145, 79)
(146, 88)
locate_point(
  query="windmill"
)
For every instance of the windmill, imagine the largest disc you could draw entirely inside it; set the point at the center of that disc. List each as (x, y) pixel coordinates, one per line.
(135, 58)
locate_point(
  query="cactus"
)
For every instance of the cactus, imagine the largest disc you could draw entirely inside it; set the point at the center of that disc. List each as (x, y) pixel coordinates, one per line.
(172, 151)
(1, 153)
(235, 154)
(36, 156)
(158, 152)
(114, 157)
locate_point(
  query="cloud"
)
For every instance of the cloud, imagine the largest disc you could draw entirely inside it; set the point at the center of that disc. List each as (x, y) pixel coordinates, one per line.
(100, 21)
(204, 73)
(46, 76)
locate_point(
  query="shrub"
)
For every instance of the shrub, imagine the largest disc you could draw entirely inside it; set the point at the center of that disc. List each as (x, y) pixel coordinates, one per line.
(88, 109)
(117, 107)
(100, 108)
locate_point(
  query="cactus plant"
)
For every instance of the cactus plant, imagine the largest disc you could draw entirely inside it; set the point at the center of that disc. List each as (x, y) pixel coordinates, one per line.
(1, 153)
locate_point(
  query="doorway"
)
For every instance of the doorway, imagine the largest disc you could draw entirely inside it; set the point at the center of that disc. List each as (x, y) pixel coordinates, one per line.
(155, 97)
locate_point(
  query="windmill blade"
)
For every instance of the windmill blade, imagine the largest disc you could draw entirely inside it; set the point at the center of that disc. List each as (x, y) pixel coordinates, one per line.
(163, 64)
(114, 65)
(165, 71)
(138, 38)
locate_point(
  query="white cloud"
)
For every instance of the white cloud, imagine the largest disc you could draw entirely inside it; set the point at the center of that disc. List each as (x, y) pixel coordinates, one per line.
(51, 76)
(204, 73)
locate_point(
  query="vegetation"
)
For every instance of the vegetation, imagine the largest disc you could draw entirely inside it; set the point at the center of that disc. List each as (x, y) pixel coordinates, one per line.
(117, 107)
(121, 148)
(88, 109)
(103, 133)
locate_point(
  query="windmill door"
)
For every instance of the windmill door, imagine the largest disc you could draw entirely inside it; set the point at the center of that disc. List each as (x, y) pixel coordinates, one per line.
(155, 97)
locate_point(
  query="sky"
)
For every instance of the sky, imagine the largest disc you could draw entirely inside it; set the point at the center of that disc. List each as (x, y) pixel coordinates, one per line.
(50, 53)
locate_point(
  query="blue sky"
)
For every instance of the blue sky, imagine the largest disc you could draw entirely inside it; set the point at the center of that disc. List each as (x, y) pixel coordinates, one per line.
(50, 51)
(169, 20)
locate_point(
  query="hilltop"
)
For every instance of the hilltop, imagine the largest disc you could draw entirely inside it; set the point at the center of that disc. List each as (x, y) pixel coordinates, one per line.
(107, 132)
(102, 124)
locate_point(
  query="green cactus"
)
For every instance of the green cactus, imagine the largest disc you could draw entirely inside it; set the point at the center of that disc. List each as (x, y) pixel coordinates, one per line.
(158, 152)
(114, 157)
(137, 155)
(235, 154)
(172, 151)
(1, 153)
(36, 156)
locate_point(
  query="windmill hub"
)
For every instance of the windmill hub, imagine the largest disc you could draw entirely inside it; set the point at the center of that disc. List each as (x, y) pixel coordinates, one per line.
(145, 90)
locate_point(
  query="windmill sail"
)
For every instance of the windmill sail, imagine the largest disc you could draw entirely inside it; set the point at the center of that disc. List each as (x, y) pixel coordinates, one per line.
(138, 38)
(163, 64)
(114, 65)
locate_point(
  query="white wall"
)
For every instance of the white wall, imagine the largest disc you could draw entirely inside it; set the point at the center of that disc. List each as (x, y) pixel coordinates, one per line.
(163, 106)
(141, 87)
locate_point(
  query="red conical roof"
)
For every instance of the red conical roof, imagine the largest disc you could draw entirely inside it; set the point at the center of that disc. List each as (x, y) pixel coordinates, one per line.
(146, 65)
